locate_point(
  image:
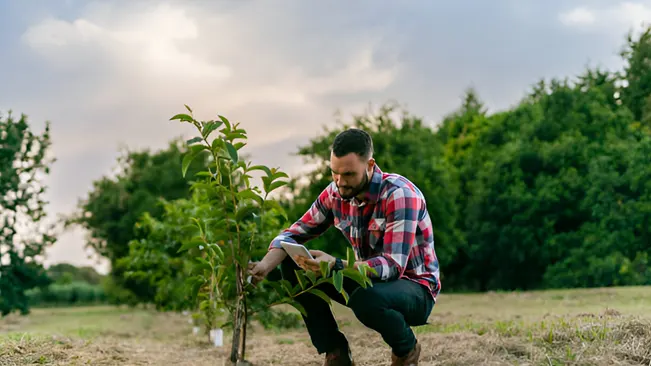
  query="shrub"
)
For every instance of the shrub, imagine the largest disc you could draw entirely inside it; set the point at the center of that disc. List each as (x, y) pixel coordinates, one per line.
(70, 294)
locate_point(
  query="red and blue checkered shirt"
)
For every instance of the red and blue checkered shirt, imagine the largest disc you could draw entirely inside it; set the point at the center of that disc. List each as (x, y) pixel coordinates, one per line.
(389, 228)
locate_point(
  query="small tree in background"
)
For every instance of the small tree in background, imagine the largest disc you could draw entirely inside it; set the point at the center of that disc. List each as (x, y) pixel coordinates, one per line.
(233, 222)
(23, 236)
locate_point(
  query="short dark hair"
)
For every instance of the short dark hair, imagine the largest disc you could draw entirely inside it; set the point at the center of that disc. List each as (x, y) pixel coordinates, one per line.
(353, 140)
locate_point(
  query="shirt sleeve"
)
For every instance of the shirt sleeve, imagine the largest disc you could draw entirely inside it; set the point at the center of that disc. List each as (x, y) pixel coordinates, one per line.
(401, 215)
(311, 225)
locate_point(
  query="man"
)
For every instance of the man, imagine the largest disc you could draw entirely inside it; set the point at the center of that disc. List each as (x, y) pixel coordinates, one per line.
(385, 218)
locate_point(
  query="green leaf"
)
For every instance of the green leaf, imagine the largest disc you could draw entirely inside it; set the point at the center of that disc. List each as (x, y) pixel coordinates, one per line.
(278, 175)
(311, 275)
(209, 127)
(205, 265)
(187, 159)
(275, 206)
(194, 140)
(325, 269)
(231, 151)
(195, 149)
(354, 275)
(226, 122)
(372, 270)
(192, 243)
(260, 167)
(188, 108)
(183, 117)
(345, 295)
(350, 257)
(277, 184)
(239, 145)
(244, 212)
(287, 286)
(276, 286)
(321, 294)
(198, 225)
(217, 250)
(194, 289)
(265, 183)
(234, 135)
(217, 144)
(203, 174)
(338, 280)
(248, 193)
(299, 307)
(364, 269)
(205, 304)
(297, 288)
(257, 219)
(300, 278)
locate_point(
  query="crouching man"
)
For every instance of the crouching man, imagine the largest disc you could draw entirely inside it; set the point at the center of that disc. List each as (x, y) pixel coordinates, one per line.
(385, 218)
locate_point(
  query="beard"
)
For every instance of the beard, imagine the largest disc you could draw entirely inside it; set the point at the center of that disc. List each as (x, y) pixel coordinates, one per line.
(348, 192)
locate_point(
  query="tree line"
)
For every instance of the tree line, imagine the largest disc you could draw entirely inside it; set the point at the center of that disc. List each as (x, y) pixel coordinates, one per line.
(554, 192)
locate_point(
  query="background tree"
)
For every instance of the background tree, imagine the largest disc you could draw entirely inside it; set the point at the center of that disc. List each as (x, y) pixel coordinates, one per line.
(111, 210)
(636, 76)
(65, 272)
(23, 233)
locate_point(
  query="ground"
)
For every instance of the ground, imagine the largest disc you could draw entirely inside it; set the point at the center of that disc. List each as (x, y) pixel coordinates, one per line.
(609, 326)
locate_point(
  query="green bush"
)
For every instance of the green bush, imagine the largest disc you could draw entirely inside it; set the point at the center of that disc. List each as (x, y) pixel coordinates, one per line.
(74, 293)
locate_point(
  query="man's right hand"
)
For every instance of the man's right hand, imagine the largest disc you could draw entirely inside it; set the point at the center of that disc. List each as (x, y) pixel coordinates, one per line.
(258, 271)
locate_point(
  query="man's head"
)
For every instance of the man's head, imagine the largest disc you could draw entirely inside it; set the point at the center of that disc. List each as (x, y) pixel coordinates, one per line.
(351, 162)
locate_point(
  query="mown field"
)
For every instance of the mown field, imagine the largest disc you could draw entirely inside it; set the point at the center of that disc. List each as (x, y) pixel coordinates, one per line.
(610, 326)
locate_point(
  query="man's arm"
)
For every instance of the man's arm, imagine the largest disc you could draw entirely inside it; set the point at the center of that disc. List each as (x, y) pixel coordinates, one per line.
(402, 208)
(311, 225)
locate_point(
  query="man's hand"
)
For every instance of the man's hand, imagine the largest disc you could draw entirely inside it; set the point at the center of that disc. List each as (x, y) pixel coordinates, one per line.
(315, 264)
(258, 271)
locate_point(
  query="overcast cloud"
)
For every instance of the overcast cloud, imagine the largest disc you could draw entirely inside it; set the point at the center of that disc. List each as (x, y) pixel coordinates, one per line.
(110, 74)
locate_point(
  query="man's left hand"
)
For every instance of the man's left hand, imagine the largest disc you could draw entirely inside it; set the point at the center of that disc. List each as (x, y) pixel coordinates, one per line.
(315, 264)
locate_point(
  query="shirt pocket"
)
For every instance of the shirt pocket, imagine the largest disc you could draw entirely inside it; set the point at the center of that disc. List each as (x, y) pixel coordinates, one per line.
(376, 228)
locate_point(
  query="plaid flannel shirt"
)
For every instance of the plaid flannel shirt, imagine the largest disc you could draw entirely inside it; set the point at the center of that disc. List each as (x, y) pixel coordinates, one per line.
(390, 228)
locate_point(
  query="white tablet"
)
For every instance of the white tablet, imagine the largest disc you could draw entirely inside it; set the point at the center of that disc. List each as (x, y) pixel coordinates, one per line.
(293, 249)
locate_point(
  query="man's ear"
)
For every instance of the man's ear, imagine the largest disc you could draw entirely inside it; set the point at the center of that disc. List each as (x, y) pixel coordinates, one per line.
(371, 165)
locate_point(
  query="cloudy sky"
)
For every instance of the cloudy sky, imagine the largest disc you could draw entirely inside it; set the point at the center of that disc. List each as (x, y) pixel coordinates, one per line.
(109, 74)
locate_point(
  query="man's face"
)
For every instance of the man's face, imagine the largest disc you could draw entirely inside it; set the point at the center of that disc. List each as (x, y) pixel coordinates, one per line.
(350, 173)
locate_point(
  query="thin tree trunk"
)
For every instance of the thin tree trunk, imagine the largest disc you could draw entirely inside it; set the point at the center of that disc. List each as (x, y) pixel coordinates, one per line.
(239, 315)
(244, 324)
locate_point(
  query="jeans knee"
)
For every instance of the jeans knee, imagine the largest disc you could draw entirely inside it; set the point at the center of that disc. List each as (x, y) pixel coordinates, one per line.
(366, 303)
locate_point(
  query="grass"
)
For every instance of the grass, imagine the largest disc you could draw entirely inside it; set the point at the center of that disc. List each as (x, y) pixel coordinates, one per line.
(609, 326)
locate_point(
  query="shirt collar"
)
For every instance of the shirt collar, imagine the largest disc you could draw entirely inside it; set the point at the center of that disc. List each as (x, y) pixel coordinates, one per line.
(372, 195)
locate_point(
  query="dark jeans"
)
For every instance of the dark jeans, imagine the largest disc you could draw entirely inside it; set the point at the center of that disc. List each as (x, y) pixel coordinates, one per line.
(389, 308)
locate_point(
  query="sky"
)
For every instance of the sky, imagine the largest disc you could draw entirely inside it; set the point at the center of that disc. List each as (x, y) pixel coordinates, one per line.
(110, 74)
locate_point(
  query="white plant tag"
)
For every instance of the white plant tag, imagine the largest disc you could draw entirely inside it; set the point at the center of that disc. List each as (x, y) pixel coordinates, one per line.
(217, 336)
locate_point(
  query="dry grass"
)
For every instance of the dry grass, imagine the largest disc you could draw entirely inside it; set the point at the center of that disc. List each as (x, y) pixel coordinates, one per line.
(579, 327)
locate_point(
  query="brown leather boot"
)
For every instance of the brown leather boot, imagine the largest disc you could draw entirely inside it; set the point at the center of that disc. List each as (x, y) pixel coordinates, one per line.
(339, 357)
(410, 359)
